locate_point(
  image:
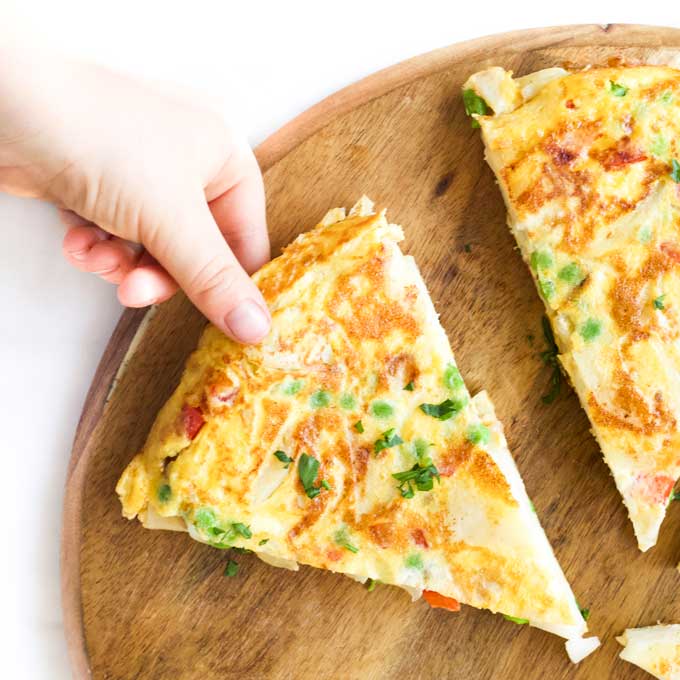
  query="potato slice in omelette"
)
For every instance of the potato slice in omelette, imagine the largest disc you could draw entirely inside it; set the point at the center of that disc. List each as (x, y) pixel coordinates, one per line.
(588, 163)
(655, 649)
(348, 441)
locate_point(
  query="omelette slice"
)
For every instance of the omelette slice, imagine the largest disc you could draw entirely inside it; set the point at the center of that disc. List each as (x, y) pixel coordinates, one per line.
(588, 166)
(348, 441)
(655, 649)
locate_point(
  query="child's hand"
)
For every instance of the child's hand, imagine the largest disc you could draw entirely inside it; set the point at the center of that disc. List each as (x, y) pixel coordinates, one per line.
(128, 165)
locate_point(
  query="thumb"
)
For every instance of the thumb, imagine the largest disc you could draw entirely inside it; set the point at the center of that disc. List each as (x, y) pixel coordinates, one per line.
(195, 254)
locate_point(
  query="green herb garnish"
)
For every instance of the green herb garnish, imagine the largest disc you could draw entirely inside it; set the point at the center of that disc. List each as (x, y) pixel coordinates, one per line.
(320, 399)
(342, 539)
(659, 146)
(382, 409)
(371, 583)
(409, 387)
(421, 474)
(359, 426)
(585, 613)
(231, 569)
(478, 434)
(242, 530)
(549, 358)
(164, 493)
(617, 89)
(659, 302)
(675, 171)
(468, 248)
(263, 541)
(325, 484)
(447, 409)
(474, 104)
(388, 439)
(514, 619)
(308, 469)
(281, 455)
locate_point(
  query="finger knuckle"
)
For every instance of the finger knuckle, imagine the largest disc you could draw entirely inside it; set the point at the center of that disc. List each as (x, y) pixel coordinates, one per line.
(218, 276)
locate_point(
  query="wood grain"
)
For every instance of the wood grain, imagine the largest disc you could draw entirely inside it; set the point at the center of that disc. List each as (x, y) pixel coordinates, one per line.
(141, 604)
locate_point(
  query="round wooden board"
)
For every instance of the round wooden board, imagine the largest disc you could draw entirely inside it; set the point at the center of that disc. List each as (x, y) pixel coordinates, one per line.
(140, 604)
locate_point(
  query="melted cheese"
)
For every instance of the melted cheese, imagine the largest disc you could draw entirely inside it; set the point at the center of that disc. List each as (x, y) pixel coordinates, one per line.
(655, 649)
(352, 327)
(586, 169)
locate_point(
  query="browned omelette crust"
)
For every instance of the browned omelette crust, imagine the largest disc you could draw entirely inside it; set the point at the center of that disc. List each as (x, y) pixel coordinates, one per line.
(587, 170)
(352, 328)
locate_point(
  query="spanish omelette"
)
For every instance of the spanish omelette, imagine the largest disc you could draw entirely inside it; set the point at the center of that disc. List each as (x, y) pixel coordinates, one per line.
(588, 163)
(348, 441)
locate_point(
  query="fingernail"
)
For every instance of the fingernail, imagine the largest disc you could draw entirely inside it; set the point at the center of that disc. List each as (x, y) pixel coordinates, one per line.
(247, 322)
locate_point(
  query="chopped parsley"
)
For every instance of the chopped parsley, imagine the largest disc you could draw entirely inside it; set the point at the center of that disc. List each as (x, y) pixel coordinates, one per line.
(264, 541)
(359, 426)
(549, 358)
(382, 409)
(675, 171)
(224, 538)
(414, 561)
(320, 399)
(231, 569)
(591, 329)
(541, 259)
(478, 434)
(293, 387)
(164, 493)
(242, 530)
(617, 89)
(422, 474)
(371, 583)
(532, 506)
(468, 247)
(308, 469)
(667, 96)
(474, 104)
(388, 439)
(515, 619)
(281, 455)
(347, 401)
(409, 387)
(342, 539)
(453, 380)
(585, 613)
(325, 484)
(658, 303)
(571, 274)
(447, 409)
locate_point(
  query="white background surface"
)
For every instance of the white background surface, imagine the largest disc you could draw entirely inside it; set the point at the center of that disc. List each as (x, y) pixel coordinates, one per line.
(263, 63)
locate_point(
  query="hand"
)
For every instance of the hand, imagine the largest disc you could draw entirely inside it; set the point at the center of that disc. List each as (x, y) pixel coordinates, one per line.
(155, 190)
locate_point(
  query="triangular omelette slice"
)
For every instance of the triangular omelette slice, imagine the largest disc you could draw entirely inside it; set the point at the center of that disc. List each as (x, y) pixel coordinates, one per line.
(655, 649)
(588, 163)
(348, 441)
